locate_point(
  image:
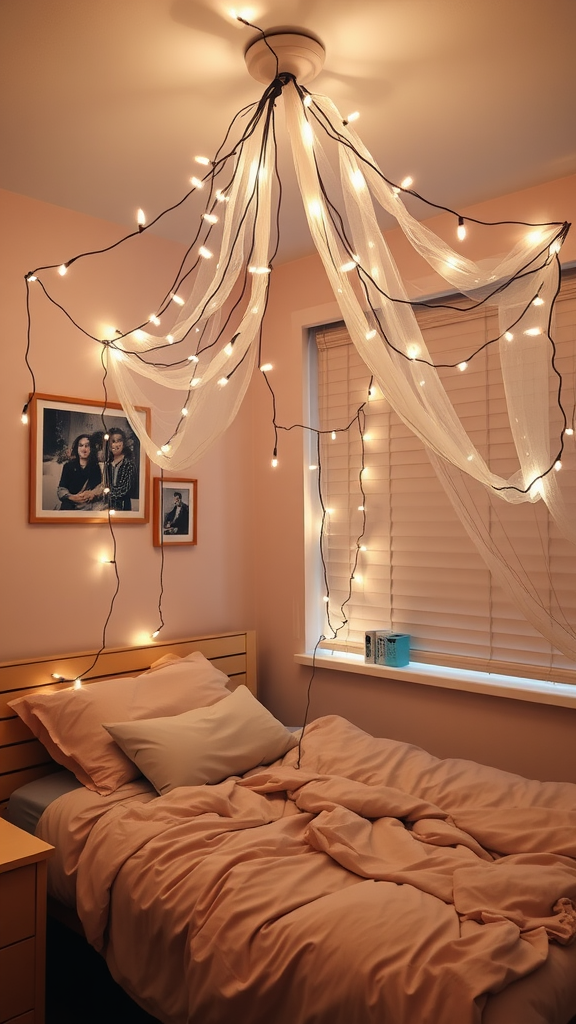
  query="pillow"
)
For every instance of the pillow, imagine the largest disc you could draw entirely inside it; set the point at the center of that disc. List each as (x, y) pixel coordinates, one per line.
(206, 745)
(69, 722)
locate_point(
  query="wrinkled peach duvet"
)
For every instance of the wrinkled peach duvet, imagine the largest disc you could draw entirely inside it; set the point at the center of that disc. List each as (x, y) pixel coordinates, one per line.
(374, 884)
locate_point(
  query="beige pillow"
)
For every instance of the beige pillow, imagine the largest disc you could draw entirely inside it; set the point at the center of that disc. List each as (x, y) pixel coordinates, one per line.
(69, 722)
(205, 745)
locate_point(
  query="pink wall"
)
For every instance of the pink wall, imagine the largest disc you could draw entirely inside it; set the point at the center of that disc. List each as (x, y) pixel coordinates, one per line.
(533, 739)
(55, 592)
(248, 569)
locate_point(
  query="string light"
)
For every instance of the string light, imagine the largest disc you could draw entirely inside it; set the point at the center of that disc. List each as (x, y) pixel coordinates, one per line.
(63, 269)
(177, 299)
(462, 366)
(266, 367)
(140, 219)
(461, 229)
(202, 160)
(196, 182)
(211, 218)
(205, 253)
(77, 684)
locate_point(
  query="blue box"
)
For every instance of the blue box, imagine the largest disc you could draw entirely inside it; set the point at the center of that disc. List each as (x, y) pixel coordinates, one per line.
(397, 649)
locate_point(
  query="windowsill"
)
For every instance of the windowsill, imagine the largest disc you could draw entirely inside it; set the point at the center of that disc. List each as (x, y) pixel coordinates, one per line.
(537, 691)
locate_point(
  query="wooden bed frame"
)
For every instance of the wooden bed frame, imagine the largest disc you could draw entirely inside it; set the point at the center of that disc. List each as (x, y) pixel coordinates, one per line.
(23, 758)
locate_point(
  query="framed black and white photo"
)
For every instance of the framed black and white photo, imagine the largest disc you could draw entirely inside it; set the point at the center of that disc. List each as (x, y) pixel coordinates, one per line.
(86, 462)
(174, 511)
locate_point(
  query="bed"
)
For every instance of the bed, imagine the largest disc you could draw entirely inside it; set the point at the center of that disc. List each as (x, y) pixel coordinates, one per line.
(230, 868)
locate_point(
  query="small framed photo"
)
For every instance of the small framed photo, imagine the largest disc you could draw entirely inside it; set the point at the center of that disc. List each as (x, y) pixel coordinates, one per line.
(86, 461)
(175, 515)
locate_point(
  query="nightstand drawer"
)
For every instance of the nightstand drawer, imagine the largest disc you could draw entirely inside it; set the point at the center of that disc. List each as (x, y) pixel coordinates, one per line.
(17, 972)
(17, 904)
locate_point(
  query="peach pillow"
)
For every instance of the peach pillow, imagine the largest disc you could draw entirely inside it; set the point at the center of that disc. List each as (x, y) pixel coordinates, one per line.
(205, 745)
(69, 722)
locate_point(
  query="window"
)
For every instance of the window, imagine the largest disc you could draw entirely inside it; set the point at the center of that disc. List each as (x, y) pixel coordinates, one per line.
(420, 573)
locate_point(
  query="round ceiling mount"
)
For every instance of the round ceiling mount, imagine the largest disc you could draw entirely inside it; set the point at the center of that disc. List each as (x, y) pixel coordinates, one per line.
(299, 54)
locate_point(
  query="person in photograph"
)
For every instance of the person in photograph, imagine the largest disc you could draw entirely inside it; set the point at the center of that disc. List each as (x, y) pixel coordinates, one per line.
(120, 471)
(80, 486)
(178, 518)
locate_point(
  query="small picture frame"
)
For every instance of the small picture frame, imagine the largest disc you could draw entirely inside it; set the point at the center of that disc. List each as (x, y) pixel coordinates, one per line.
(86, 461)
(175, 511)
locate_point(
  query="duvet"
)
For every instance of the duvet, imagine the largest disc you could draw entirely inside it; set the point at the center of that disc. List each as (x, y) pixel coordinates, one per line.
(355, 881)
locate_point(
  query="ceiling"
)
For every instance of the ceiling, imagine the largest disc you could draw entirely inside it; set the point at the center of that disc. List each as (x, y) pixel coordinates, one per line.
(105, 103)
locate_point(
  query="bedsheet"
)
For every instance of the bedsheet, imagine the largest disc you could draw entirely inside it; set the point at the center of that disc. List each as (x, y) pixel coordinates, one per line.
(373, 883)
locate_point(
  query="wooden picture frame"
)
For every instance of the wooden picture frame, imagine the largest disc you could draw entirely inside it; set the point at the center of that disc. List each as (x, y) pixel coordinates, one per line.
(72, 486)
(175, 511)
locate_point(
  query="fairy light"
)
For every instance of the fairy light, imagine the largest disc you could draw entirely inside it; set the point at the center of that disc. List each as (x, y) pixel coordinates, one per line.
(569, 431)
(413, 351)
(196, 182)
(140, 219)
(177, 299)
(558, 465)
(222, 197)
(205, 253)
(406, 182)
(154, 320)
(370, 334)
(56, 676)
(312, 467)
(538, 301)
(347, 267)
(193, 359)
(154, 634)
(509, 336)
(211, 218)
(196, 381)
(31, 277)
(333, 435)
(259, 270)
(202, 160)
(77, 684)
(462, 366)
(229, 348)
(352, 117)
(461, 229)
(307, 100)
(533, 331)
(184, 411)
(266, 367)
(223, 382)
(24, 415)
(63, 269)
(170, 339)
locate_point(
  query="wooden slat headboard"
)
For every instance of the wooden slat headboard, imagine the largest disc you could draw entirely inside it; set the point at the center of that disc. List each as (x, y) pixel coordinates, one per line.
(23, 758)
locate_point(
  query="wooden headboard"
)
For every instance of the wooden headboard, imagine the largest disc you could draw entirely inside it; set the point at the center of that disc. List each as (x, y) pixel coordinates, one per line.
(23, 758)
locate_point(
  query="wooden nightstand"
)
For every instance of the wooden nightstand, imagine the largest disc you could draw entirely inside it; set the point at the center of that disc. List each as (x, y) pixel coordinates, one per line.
(22, 925)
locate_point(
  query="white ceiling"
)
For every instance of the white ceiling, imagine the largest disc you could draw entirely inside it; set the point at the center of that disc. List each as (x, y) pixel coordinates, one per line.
(105, 103)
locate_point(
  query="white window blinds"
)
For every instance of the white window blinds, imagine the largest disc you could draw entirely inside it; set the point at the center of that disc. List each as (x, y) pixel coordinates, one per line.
(420, 573)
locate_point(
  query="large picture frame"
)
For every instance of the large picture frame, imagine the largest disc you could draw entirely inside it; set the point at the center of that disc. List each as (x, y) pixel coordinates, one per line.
(175, 511)
(77, 473)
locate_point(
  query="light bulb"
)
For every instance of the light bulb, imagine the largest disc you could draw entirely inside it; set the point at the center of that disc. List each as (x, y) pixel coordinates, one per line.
(196, 183)
(223, 382)
(222, 197)
(184, 411)
(205, 253)
(31, 277)
(210, 217)
(154, 634)
(312, 466)
(56, 675)
(407, 182)
(259, 270)
(274, 463)
(170, 339)
(24, 417)
(569, 431)
(193, 359)
(538, 301)
(141, 218)
(62, 269)
(154, 320)
(165, 448)
(352, 117)
(370, 334)
(325, 599)
(177, 299)
(333, 435)
(461, 229)
(462, 366)
(362, 547)
(361, 508)
(78, 684)
(557, 465)
(195, 382)
(307, 100)
(347, 267)
(202, 160)
(266, 367)
(508, 335)
(413, 352)
(533, 331)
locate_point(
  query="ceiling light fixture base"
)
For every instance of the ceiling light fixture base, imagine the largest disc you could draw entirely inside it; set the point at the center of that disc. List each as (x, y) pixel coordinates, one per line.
(299, 54)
